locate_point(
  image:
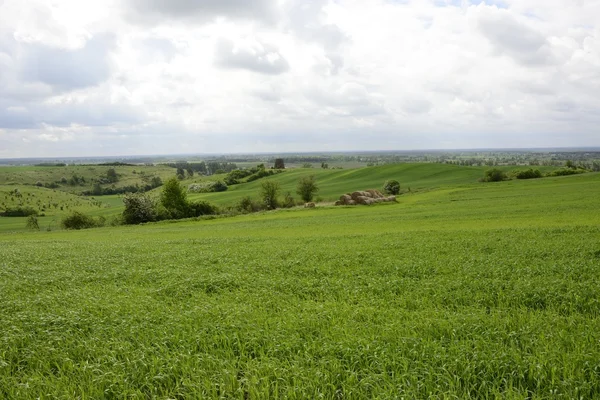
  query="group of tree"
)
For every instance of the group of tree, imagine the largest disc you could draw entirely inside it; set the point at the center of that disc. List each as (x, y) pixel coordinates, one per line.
(498, 175)
(172, 204)
(208, 187)
(203, 168)
(99, 190)
(249, 174)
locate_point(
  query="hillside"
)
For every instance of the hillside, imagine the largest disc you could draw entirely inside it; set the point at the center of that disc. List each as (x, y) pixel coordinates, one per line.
(335, 182)
(489, 290)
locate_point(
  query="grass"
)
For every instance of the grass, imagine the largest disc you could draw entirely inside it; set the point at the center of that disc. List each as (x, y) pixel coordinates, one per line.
(486, 291)
(335, 182)
(128, 175)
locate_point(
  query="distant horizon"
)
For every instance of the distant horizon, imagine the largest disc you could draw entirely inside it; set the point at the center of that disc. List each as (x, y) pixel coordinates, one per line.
(574, 149)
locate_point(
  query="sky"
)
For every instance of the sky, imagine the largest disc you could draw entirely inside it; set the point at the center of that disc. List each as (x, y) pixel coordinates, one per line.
(135, 77)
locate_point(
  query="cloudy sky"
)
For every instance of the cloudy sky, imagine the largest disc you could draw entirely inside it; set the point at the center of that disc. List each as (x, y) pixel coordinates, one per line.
(126, 77)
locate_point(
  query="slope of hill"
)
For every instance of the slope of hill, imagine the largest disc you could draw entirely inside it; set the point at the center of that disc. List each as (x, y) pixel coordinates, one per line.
(335, 182)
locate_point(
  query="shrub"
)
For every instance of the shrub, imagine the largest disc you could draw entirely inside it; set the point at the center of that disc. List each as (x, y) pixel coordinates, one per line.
(528, 174)
(174, 199)
(139, 208)
(564, 172)
(32, 223)
(247, 205)
(307, 187)
(209, 187)
(219, 186)
(288, 201)
(494, 175)
(391, 187)
(19, 212)
(268, 193)
(198, 208)
(78, 220)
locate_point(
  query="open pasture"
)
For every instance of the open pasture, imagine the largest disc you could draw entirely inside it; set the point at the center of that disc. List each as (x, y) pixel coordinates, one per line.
(467, 292)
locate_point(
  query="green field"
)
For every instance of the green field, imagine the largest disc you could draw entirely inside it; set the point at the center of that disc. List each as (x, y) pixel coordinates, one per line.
(335, 182)
(128, 175)
(461, 290)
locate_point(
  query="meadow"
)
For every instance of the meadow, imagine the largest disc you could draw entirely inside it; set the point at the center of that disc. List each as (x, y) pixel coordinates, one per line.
(460, 290)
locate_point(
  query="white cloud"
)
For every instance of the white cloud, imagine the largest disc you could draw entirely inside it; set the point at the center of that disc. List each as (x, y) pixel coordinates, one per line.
(154, 76)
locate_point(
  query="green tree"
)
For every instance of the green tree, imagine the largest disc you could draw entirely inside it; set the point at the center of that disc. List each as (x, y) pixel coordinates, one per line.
(494, 175)
(139, 208)
(307, 187)
(96, 189)
(32, 223)
(156, 181)
(174, 199)
(111, 175)
(269, 191)
(78, 220)
(391, 187)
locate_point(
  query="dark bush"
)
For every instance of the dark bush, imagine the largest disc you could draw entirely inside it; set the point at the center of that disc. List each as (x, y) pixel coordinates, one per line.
(247, 205)
(391, 187)
(78, 220)
(528, 174)
(219, 186)
(494, 175)
(564, 172)
(198, 208)
(288, 201)
(18, 212)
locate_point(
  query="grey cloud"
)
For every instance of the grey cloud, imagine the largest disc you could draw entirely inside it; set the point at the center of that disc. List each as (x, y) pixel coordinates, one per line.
(417, 106)
(66, 69)
(305, 22)
(154, 11)
(261, 58)
(351, 99)
(157, 49)
(15, 115)
(15, 118)
(508, 36)
(267, 95)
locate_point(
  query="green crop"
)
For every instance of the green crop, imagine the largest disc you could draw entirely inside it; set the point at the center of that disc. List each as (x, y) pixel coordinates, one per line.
(489, 290)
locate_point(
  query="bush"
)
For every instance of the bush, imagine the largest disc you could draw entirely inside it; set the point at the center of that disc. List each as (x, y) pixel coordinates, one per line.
(307, 187)
(288, 201)
(247, 205)
(528, 174)
(198, 208)
(174, 199)
(564, 172)
(78, 220)
(139, 208)
(32, 223)
(268, 193)
(494, 175)
(219, 186)
(209, 187)
(391, 187)
(18, 212)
